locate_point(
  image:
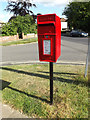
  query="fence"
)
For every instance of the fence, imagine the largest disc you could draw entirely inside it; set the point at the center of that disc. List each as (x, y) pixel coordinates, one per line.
(31, 35)
(16, 37)
(9, 38)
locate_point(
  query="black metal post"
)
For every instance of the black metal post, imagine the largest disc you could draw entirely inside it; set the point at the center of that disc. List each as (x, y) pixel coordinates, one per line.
(51, 83)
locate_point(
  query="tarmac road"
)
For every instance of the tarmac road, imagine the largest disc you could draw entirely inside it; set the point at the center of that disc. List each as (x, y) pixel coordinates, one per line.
(74, 49)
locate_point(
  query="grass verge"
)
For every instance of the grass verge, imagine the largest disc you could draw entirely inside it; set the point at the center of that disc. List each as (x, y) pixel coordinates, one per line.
(26, 88)
(24, 41)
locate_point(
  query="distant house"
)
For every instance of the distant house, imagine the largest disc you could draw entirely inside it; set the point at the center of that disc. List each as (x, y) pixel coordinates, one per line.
(1, 23)
(64, 24)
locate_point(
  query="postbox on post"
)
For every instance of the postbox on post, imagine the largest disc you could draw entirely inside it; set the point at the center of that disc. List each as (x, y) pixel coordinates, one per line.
(49, 37)
(49, 42)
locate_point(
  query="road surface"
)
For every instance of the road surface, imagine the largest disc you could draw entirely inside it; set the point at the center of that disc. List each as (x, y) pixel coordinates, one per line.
(74, 49)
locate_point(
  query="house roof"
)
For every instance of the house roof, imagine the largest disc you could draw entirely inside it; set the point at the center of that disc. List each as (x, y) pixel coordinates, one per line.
(63, 20)
(1, 22)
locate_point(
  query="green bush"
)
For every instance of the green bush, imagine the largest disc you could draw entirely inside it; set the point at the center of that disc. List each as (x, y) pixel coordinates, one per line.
(9, 29)
(20, 24)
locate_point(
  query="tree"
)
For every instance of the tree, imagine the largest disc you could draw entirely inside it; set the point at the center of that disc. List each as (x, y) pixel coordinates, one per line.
(20, 7)
(9, 29)
(78, 14)
(20, 24)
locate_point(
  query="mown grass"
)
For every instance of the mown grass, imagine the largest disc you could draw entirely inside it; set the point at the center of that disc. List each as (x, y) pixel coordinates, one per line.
(24, 41)
(27, 87)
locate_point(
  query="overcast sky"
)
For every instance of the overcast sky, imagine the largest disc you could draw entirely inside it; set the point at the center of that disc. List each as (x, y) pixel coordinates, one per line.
(43, 7)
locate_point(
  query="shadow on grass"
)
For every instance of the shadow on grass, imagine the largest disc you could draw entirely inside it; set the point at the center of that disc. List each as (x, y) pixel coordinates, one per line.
(3, 84)
(76, 82)
(58, 73)
(68, 80)
(6, 84)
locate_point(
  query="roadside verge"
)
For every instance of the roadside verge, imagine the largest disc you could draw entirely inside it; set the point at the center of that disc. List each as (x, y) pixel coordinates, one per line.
(27, 88)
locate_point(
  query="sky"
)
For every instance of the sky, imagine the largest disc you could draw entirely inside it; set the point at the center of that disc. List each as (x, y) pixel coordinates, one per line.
(43, 7)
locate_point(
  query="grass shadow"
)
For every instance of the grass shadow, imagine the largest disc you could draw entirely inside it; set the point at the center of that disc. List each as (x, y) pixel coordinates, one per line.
(6, 84)
(24, 72)
(76, 82)
(59, 73)
(29, 95)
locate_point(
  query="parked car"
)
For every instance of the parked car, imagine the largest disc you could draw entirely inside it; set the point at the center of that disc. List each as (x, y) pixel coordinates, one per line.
(78, 33)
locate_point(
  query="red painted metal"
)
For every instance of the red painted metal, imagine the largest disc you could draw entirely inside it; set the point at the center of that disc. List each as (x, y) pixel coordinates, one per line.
(49, 28)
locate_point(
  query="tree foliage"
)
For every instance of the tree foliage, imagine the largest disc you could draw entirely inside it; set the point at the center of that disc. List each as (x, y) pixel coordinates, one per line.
(78, 14)
(20, 7)
(9, 29)
(20, 24)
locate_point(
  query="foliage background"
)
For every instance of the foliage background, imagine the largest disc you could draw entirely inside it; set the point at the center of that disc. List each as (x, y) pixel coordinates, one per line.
(78, 14)
(20, 24)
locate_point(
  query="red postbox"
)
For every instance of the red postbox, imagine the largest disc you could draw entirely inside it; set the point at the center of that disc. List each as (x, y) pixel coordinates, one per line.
(49, 37)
